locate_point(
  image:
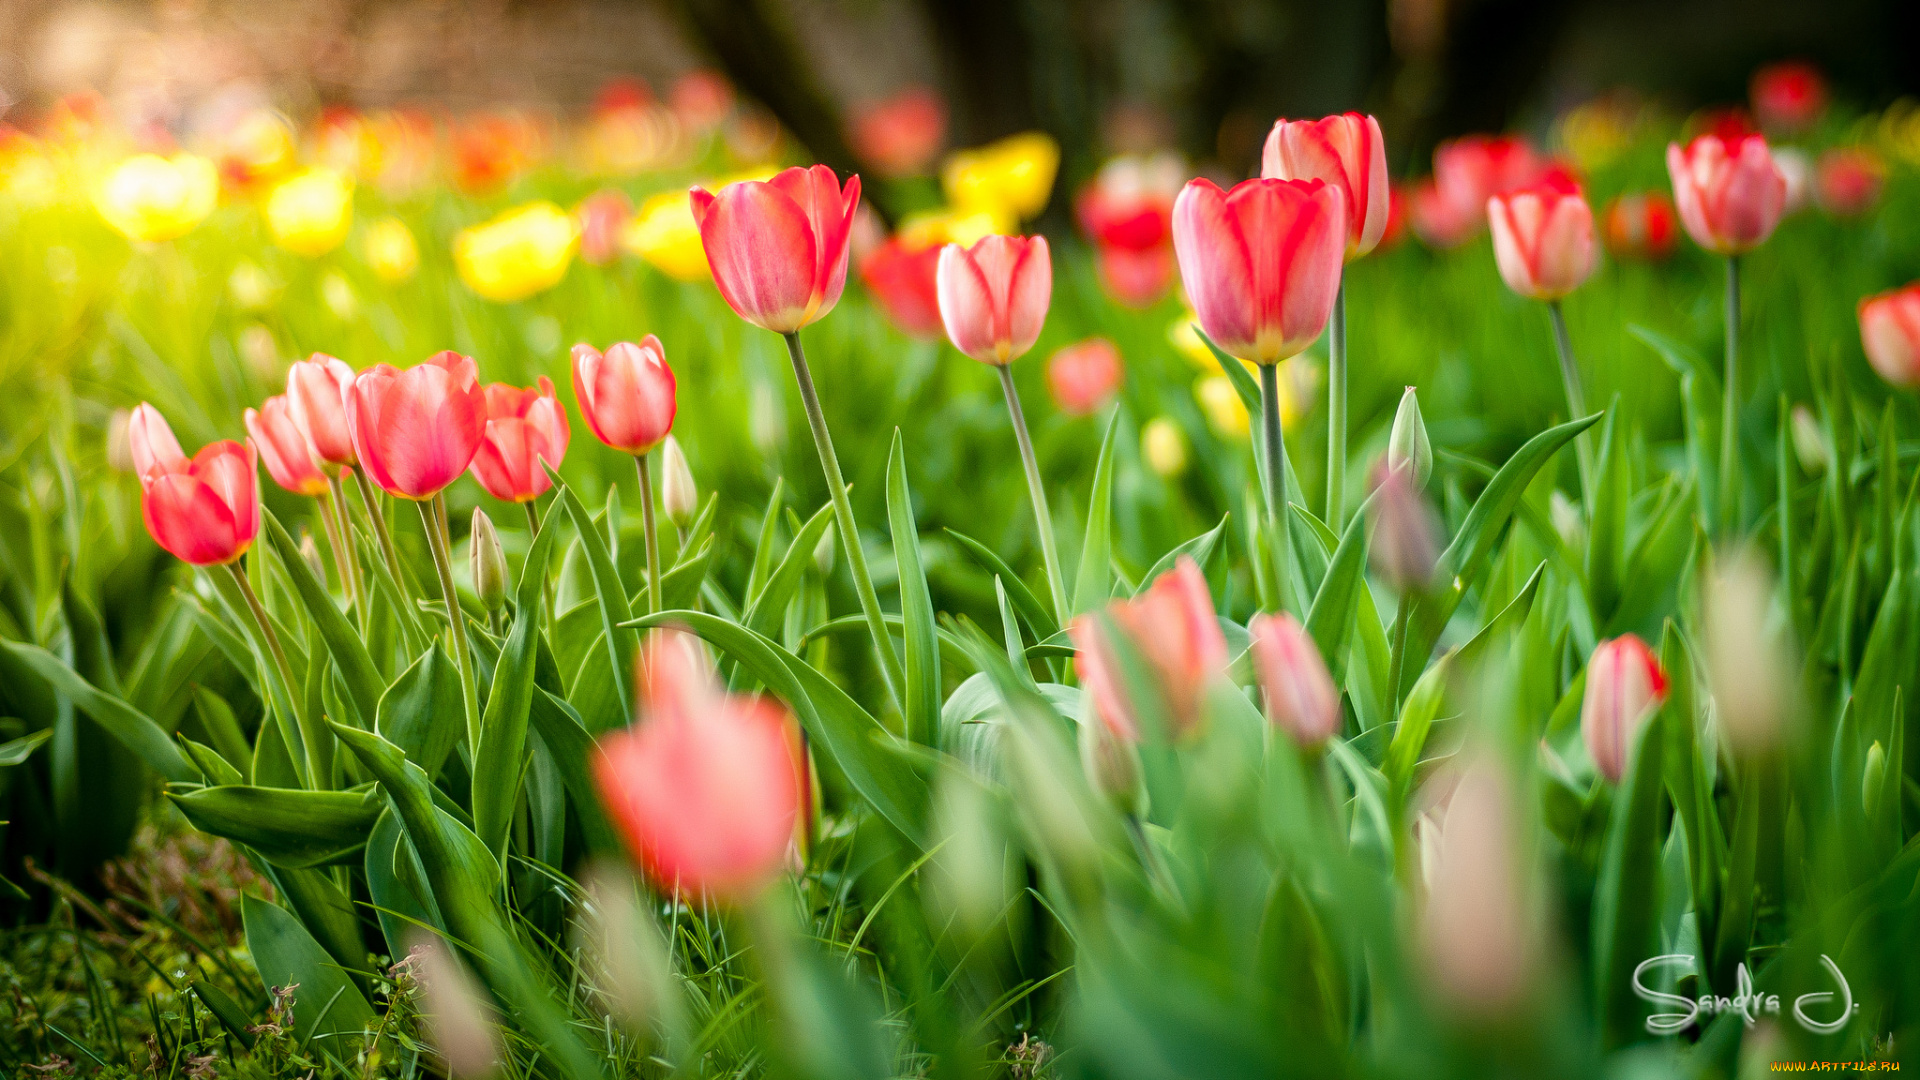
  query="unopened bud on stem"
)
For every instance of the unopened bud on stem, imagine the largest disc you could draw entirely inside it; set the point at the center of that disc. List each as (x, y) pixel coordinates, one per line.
(488, 562)
(678, 495)
(1408, 445)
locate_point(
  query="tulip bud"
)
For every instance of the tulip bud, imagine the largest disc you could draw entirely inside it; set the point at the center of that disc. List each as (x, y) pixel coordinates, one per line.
(1747, 665)
(487, 563)
(825, 551)
(1625, 684)
(1890, 334)
(678, 495)
(1405, 545)
(1164, 447)
(1809, 442)
(1873, 779)
(390, 250)
(1566, 520)
(1408, 444)
(1477, 936)
(454, 1011)
(1301, 697)
(310, 554)
(1112, 764)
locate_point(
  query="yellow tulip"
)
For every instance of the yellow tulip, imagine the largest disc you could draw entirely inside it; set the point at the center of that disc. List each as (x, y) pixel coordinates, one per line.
(151, 198)
(390, 250)
(1185, 337)
(1164, 446)
(664, 234)
(1013, 176)
(521, 252)
(309, 213)
(931, 228)
(1222, 404)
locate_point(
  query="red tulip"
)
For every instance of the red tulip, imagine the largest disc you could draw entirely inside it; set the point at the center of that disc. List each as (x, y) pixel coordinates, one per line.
(902, 278)
(626, 393)
(1137, 279)
(706, 789)
(524, 428)
(283, 448)
(1848, 180)
(1173, 626)
(1347, 152)
(1624, 685)
(1542, 238)
(1788, 97)
(1301, 697)
(1261, 263)
(1890, 333)
(1083, 376)
(1127, 211)
(1641, 226)
(601, 216)
(417, 430)
(901, 135)
(1470, 170)
(778, 248)
(205, 511)
(1730, 194)
(1438, 221)
(994, 295)
(151, 443)
(317, 390)
(1396, 217)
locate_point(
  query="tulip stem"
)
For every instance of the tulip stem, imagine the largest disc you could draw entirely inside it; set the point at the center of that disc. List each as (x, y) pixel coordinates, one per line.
(1730, 407)
(1037, 491)
(380, 532)
(330, 524)
(349, 559)
(1276, 455)
(655, 602)
(1337, 410)
(309, 738)
(1576, 399)
(433, 515)
(844, 524)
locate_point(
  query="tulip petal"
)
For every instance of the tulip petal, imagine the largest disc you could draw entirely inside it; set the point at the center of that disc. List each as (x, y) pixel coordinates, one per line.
(762, 249)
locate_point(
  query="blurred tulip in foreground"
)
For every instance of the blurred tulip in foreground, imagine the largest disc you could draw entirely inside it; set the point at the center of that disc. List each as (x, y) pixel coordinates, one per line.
(416, 431)
(205, 511)
(1478, 939)
(1889, 331)
(627, 393)
(1173, 627)
(1789, 96)
(778, 248)
(1641, 225)
(1301, 697)
(1164, 446)
(150, 443)
(1406, 542)
(283, 447)
(1809, 441)
(1748, 666)
(525, 427)
(1083, 376)
(517, 254)
(390, 250)
(1848, 179)
(994, 296)
(707, 786)
(309, 213)
(1268, 308)
(317, 390)
(1013, 176)
(153, 198)
(1542, 239)
(453, 1010)
(901, 135)
(1345, 151)
(679, 496)
(1729, 193)
(1798, 169)
(1625, 684)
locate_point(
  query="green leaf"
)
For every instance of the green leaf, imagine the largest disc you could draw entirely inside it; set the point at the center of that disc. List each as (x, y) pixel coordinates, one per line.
(400, 909)
(769, 602)
(1201, 548)
(762, 563)
(1607, 530)
(1417, 715)
(326, 1003)
(921, 704)
(1625, 902)
(1093, 581)
(216, 716)
(15, 751)
(614, 611)
(566, 739)
(350, 656)
(216, 769)
(1038, 620)
(1331, 618)
(499, 761)
(135, 729)
(288, 827)
(422, 713)
(226, 1010)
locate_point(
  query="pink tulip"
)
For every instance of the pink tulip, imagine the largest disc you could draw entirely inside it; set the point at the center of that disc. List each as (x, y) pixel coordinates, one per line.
(1624, 685)
(1440, 222)
(707, 788)
(994, 296)
(1261, 263)
(1478, 939)
(1848, 179)
(1084, 375)
(1347, 152)
(626, 393)
(1406, 543)
(778, 248)
(1301, 697)
(317, 389)
(1543, 238)
(1470, 170)
(1137, 279)
(417, 430)
(151, 443)
(1173, 626)
(524, 429)
(1127, 211)
(1641, 225)
(1890, 333)
(901, 135)
(205, 511)
(601, 216)
(1789, 96)
(283, 448)
(1729, 192)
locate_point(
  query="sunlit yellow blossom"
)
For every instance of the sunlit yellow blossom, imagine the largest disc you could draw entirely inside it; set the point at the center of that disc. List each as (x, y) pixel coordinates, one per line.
(390, 250)
(1223, 407)
(664, 233)
(521, 252)
(1185, 337)
(152, 198)
(251, 287)
(309, 212)
(256, 148)
(949, 226)
(1013, 176)
(337, 293)
(1164, 446)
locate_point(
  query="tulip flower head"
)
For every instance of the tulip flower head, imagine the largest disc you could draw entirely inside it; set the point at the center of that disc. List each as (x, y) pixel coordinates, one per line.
(1747, 660)
(525, 428)
(994, 296)
(1641, 225)
(1889, 331)
(416, 431)
(707, 787)
(1084, 376)
(1347, 152)
(904, 280)
(1261, 262)
(1301, 697)
(283, 447)
(150, 443)
(1013, 177)
(778, 248)
(1440, 223)
(1625, 684)
(601, 217)
(1127, 211)
(901, 135)
(317, 390)
(1164, 446)
(1788, 97)
(1543, 238)
(1478, 936)
(309, 213)
(1470, 170)
(664, 234)
(522, 252)
(151, 198)
(1729, 192)
(205, 511)
(390, 250)
(679, 496)
(1847, 181)
(1406, 542)
(626, 393)
(1172, 626)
